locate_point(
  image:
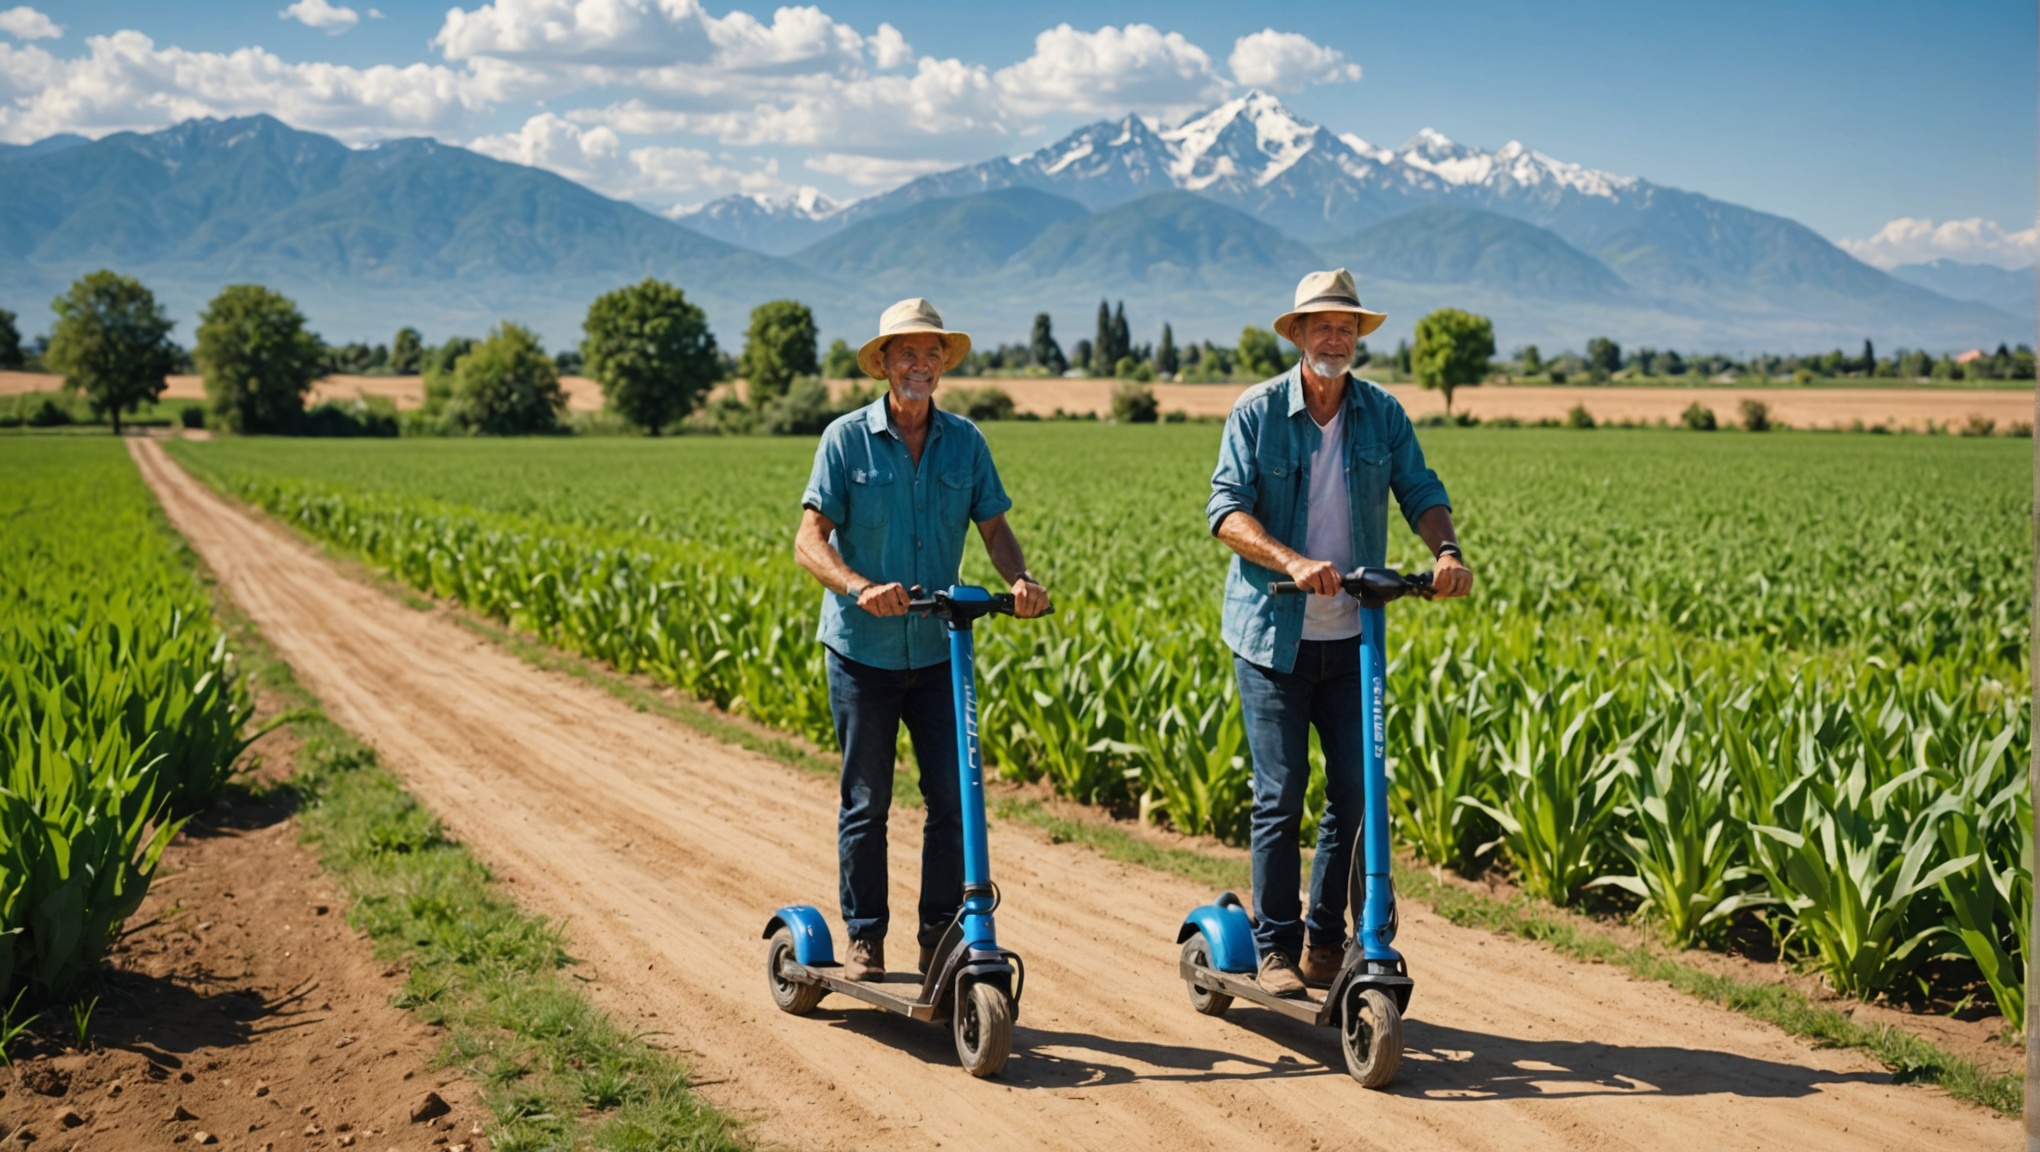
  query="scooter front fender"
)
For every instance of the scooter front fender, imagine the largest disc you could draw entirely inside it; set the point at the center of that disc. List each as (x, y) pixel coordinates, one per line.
(1227, 932)
(812, 943)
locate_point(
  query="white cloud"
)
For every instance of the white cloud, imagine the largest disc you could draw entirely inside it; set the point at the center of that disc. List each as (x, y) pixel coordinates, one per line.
(126, 82)
(889, 48)
(597, 157)
(1286, 61)
(873, 171)
(320, 14)
(25, 23)
(1110, 72)
(1911, 240)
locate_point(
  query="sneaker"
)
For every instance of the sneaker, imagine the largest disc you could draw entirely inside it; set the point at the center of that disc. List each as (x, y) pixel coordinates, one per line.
(866, 961)
(1321, 965)
(927, 957)
(1278, 975)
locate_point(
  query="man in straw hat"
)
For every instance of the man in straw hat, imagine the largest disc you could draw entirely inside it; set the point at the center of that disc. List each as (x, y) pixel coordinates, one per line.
(894, 486)
(1301, 493)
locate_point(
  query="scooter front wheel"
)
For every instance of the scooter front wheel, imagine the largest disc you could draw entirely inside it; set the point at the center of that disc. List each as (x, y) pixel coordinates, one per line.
(792, 996)
(1197, 954)
(1371, 1033)
(983, 1023)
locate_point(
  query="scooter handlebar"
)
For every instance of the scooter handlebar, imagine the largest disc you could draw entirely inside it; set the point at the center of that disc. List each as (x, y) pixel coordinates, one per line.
(1369, 585)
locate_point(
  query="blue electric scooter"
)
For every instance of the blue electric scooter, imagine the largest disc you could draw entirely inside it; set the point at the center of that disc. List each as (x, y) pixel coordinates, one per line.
(1369, 995)
(971, 981)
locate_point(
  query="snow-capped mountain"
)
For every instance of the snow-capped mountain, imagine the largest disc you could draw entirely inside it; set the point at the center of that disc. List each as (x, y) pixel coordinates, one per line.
(774, 225)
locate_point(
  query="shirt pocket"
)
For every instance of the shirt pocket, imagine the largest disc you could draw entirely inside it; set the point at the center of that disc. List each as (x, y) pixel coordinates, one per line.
(953, 493)
(1370, 477)
(1279, 501)
(871, 496)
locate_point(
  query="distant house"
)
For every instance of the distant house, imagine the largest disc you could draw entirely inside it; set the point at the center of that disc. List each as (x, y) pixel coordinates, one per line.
(1972, 354)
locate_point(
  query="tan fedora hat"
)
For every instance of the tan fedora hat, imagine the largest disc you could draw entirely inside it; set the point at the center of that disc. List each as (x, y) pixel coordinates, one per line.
(903, 318)
(1327, 292)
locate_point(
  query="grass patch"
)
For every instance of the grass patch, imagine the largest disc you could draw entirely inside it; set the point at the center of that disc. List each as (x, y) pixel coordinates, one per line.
(1911, 1059)
(555, 1071)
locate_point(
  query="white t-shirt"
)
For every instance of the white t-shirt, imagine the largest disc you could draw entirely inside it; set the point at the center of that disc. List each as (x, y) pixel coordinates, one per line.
(1329, 535)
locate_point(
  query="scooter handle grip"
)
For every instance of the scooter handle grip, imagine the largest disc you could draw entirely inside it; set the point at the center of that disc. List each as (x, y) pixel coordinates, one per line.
(1283, 588)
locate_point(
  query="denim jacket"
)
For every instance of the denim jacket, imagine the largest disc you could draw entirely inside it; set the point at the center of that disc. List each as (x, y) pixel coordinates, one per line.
(898, 522)
(1264, 470)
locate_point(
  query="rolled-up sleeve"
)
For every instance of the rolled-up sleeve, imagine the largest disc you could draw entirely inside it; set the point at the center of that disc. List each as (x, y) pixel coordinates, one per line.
(988, 495)
(825, 487)
(1417, 488)
(1235, 484)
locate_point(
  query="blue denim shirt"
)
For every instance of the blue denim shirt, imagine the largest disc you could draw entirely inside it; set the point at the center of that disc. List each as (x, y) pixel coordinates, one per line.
(897, 523)
(1264, 471)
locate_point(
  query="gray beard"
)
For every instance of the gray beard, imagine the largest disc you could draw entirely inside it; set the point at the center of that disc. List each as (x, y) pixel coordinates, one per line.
(1329, 369)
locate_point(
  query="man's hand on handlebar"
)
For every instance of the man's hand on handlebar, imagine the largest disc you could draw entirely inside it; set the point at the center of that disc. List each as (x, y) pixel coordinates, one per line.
(1450, 578)
(1029, 599)
(1318, 577)
(883, 599)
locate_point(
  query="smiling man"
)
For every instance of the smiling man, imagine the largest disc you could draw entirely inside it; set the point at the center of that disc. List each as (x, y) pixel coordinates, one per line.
(894, 486)
(1301, 493)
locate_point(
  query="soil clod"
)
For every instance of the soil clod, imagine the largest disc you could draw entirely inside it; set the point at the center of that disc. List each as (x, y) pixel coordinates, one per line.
(430, 1108)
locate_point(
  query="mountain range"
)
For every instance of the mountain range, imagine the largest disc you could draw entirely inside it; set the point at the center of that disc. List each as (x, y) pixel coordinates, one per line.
(1205, 224)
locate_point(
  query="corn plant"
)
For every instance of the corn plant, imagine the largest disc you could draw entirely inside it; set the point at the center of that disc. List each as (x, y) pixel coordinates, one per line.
(1555, 801)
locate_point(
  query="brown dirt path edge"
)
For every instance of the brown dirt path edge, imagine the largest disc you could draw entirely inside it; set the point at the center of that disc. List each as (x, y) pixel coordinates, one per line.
(665, 852)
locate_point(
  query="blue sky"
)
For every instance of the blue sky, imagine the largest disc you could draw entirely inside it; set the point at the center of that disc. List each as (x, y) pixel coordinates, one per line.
(1845, 116)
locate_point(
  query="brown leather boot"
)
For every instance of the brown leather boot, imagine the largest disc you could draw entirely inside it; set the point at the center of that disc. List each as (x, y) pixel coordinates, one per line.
(866, 960)
(1278, 975)
(1321, 965)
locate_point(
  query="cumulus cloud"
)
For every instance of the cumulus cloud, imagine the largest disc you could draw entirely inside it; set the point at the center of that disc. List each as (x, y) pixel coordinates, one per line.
(25, 23)
(873, 171)
(126, 82)
(1110, 72)
(1912, 240)
(1286, 61)
(597, 157)
(320, 14)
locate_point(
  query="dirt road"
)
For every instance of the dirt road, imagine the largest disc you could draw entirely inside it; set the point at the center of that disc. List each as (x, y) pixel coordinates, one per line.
(665, 851)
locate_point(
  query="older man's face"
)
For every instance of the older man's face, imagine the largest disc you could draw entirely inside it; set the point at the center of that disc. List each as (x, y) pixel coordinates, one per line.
(913, 364)
(1328, 340)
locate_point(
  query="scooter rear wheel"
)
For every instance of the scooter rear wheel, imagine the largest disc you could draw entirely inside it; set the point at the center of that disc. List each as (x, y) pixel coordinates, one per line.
(1370, 1030)
(1197, 953)
(983, 1023)
(792, 996)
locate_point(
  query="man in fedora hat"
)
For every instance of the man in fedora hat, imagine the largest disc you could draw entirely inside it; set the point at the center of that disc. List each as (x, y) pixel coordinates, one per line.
(894, 486)
(1301, 493)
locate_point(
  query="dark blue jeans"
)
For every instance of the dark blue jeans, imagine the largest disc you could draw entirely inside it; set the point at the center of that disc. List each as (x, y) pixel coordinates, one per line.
(1323, 690)
(869, 704)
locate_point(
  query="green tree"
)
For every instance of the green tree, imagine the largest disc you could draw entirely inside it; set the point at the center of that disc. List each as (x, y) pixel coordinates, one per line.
(10, 341)
(841, 361)
(1453, 349)
(1402, 357)
(1604, 357)
(1122, 336)
(1165, 353)
(1042, 348)
(506, 386)
(1533, 361)
(406, 351)
(779, 346)
(257, 358)
(653, 354)
(1260, 353)
(112, 343)
(1133, 403)
(1102, 358)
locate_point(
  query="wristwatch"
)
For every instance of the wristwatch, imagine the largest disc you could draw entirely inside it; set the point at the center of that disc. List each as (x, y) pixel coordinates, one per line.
(1450, 548)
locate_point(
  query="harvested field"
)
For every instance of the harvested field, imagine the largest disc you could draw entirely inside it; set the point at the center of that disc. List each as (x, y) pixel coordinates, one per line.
(665, 851)
(583, 394)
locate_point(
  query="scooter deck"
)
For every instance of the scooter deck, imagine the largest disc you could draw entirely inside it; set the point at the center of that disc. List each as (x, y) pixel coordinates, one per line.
(1310, 1008)
(899, 992)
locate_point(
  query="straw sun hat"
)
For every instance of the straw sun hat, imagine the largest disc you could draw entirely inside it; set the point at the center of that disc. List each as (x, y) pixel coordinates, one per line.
(1326, 292)
(905, 318)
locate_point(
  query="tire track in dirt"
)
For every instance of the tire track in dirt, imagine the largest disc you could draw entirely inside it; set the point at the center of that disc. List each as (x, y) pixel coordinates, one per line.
(665, 851)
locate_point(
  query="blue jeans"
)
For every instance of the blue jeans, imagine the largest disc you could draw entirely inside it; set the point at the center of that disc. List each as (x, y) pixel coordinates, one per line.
(869, 705)
(1322, 690)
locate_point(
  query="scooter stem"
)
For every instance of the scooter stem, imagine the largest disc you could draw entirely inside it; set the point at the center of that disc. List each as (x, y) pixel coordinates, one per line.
(978, 900)
(1377, 912)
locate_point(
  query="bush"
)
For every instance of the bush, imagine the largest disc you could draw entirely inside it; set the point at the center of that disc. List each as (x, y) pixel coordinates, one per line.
(981, 404)
(47, 413)
(1756, 416)
(1134, 403)
(1698, 417)
(350, 418)
(1979, 426)
(1579, 417)
(191, 416)
(802, 410)
(506, 386)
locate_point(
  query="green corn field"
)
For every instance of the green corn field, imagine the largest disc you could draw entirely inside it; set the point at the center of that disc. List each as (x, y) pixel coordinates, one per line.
(1774, 684)
(120, 713)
